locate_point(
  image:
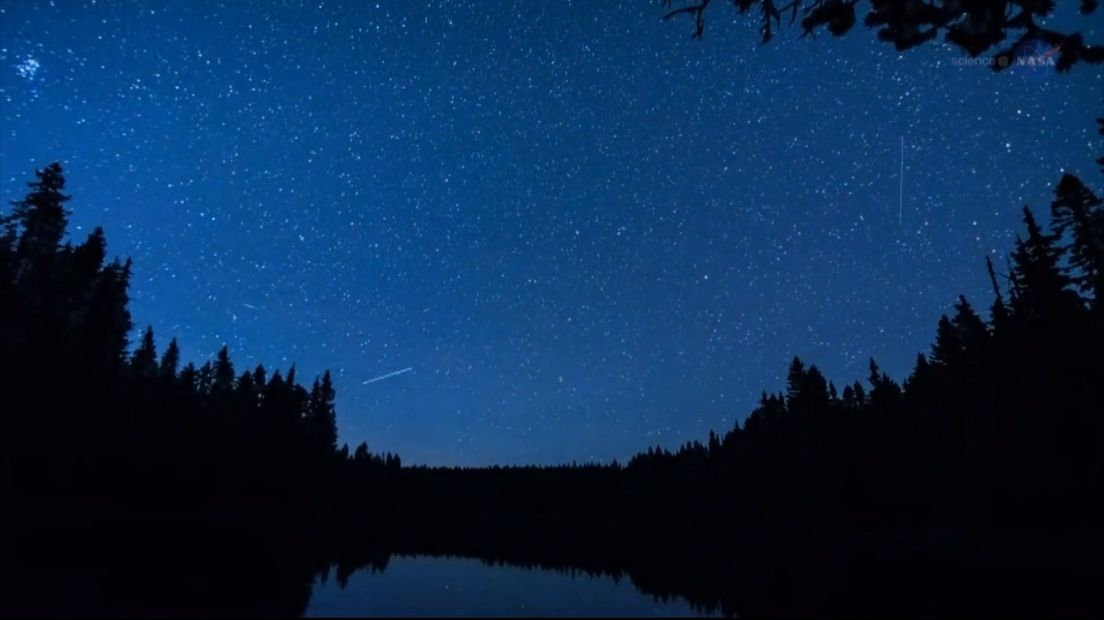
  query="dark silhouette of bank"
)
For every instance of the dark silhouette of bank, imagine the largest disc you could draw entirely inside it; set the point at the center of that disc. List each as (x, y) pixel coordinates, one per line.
(209, 489)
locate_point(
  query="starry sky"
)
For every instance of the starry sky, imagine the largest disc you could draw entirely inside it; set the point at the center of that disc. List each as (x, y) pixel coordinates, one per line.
(581, 231)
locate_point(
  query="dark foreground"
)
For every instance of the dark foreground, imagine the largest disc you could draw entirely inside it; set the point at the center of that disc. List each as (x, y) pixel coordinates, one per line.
(107, 562)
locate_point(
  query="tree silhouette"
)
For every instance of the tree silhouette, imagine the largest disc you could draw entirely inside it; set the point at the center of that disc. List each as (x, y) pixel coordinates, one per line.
(974, 27)
(1077, 213)
(1042, 288)
(169, 362)
(321, 417)
(223, 379)
(42, 218)
(127, 425)
(143, 362)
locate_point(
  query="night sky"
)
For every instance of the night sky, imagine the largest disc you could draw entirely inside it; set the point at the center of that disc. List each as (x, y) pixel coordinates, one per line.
(583, 232)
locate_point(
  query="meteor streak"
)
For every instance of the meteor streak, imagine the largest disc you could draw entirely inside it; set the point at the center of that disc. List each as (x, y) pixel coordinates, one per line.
(388, 375)
(901, 191)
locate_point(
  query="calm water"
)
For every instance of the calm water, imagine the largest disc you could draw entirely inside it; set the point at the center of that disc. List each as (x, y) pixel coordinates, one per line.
(442, 586)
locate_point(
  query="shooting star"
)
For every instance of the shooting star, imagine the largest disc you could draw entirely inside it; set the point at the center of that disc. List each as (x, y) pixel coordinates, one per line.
(901, 191)
(388, 375)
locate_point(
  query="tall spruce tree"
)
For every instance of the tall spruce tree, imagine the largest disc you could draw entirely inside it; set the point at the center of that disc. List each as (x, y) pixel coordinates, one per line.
(106, 326)
(321, 415)
(1043, 290)
(223, 379)
(42, 219)
(169, 362)
(973, 333)
(144, 361)
(1077, 213)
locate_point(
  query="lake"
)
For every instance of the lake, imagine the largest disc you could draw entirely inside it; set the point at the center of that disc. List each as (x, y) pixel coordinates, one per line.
(454, 586)
(186, 566)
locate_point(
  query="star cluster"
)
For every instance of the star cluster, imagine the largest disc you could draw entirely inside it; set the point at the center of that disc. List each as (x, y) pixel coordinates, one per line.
(584, 232)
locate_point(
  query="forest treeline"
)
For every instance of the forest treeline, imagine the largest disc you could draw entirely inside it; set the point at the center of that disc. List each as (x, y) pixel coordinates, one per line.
(1000, 423)
(87, 418)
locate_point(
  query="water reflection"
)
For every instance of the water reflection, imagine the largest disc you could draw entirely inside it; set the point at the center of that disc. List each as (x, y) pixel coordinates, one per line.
(453, 586)
(189, 567)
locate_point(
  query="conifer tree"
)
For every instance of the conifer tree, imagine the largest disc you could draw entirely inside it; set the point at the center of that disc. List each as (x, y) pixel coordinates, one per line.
(105, 328)
(189, 378)
(947, 347)
(223, 378)
(714, 443)
(1043, 290)
(795, 383)
(1078, 213)
(972, 331)
(884, 391)
(79, 280)
(144, 361)
(246, 391)
(205, 379)
(42, 219)
(322, 416)
(169, 361)
(362, 455)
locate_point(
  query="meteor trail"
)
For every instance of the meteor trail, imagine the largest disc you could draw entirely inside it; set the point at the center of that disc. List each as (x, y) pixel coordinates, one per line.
(901, 191)
(388, 375)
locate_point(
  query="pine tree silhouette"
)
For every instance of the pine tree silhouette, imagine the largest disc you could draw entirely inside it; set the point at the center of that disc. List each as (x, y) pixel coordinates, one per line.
(169, 362)
(1043, 290)
(1079, 214)
(42, 217)
(144, 361)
